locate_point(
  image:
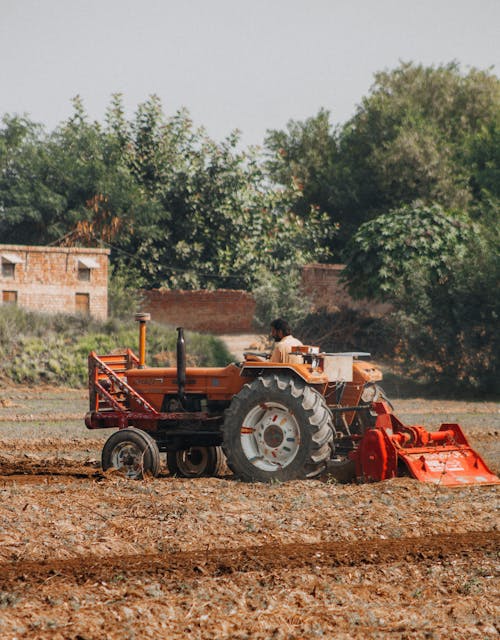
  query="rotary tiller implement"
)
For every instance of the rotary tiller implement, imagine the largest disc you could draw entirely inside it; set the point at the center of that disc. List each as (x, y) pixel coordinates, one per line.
(442, 457)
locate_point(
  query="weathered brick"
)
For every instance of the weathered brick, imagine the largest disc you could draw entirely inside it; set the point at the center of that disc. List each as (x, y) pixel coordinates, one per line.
(321, 283)
(46, 279)
(227, 311)
(219, 312)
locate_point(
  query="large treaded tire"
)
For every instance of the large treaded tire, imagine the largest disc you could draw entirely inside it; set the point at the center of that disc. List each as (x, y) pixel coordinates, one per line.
(132, 452)
(254, 437)
(196, 462)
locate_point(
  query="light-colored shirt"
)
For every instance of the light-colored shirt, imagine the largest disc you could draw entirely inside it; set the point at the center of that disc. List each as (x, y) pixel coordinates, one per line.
(282, 349)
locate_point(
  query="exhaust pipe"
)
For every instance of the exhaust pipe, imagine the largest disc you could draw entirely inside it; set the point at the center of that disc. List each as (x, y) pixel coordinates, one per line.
(142, 318)
(181, 365)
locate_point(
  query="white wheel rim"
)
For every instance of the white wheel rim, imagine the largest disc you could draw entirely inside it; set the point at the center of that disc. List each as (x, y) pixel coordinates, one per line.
(270, 436)
(192, 461)
(127, 457)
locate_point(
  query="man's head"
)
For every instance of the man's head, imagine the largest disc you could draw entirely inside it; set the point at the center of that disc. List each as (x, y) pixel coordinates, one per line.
(279, 329)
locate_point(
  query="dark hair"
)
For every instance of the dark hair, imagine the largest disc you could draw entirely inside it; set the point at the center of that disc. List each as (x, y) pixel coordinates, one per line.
(281, 325)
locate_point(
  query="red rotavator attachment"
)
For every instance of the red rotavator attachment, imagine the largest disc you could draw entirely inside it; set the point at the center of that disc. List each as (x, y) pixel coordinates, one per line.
(443, 457)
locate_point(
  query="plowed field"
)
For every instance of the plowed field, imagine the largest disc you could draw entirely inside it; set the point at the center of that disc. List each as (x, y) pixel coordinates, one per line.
(90, 555)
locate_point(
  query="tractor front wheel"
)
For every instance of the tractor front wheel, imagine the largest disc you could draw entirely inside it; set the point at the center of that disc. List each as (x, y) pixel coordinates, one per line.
(276, 429)
(133, 452)
(196, 462)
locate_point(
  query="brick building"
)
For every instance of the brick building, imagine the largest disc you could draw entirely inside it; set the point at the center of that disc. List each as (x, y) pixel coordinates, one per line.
(55, 279)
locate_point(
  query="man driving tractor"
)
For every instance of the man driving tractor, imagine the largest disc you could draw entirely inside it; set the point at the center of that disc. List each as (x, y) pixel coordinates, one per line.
(284, 341)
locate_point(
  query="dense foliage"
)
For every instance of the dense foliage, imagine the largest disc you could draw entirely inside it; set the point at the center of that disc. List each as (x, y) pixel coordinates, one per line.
(412, 181)
(427, 133)
(391, 253)
(177, 208)
(442, 275)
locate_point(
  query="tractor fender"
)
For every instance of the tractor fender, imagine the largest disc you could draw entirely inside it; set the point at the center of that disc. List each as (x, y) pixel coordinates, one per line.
(302, 372)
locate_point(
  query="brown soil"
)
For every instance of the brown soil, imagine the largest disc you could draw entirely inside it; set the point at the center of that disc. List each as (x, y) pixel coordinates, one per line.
(89, 555)
(268, 558)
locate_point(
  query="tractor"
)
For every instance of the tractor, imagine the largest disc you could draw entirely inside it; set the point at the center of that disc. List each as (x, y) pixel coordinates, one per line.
(268, 421)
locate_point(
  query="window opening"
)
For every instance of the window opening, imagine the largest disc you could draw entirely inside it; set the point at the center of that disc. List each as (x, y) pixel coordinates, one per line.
(85, 266)
(8, 269)
(83, 274)
(9, 261)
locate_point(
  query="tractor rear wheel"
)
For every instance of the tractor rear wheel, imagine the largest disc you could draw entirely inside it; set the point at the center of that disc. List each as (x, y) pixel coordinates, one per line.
(133, 452)
(277, 428)
(196, 462)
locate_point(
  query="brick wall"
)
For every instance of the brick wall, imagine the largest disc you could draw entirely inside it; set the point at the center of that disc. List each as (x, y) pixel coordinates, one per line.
(220, 312)
(230, 312)
(55, 279)
(321, 283)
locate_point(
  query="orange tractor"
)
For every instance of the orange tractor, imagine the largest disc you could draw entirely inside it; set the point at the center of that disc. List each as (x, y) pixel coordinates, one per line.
(268, 421)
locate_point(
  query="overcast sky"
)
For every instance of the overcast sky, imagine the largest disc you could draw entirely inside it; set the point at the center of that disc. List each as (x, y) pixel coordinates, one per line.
(246, 64)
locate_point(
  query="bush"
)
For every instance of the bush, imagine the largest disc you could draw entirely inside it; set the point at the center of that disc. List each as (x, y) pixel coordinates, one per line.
(454, 339)
(387, 254)
(37, 348)
(124, 299)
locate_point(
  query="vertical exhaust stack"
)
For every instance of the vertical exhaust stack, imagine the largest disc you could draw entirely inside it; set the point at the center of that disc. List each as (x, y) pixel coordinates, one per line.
(181, 364)
(142, 319)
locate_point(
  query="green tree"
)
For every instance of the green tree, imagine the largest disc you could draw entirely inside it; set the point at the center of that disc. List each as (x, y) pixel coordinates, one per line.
(177, 208)
(398, 255)
(24, 198)
(483, 156)
(410, 137)
(305, 154)
(213, 219)
(73, 180)
(461, 328)
(441, 272)
(426, 133)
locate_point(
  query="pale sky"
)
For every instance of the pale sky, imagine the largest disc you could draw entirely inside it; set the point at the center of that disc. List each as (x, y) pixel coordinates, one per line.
(251, 65)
